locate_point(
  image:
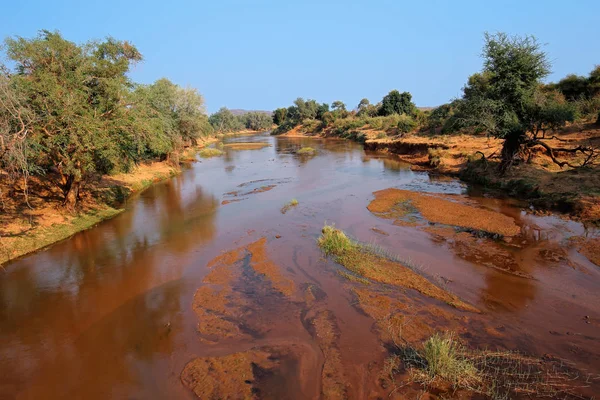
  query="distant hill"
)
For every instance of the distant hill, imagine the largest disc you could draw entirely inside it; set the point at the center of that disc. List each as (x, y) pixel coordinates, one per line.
(239, 111)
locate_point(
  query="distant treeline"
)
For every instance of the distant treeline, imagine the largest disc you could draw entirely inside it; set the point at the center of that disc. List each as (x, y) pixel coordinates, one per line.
(70, 113)
(225, 121)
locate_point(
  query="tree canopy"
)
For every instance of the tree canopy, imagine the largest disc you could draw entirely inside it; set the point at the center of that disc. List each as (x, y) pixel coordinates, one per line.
(70, 112)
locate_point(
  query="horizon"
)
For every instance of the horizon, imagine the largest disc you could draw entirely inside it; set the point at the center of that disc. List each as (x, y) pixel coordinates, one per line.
(265, 55)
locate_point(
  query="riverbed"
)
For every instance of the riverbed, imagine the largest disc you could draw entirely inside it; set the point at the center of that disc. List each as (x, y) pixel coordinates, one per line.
(117, 311)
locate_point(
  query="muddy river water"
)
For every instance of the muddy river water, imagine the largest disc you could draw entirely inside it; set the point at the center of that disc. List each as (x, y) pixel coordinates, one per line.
(127, 309)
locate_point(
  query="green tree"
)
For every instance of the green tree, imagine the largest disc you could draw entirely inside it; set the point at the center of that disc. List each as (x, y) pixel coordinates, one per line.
(279, 116)
(224, 121)
(507, 98)
(76, 94)
(258, 121)
(397, 103)
(321, 110)
(339, 109)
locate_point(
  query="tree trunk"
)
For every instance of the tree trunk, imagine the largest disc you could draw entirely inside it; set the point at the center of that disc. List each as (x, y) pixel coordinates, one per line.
(510, 150)
(71, 191)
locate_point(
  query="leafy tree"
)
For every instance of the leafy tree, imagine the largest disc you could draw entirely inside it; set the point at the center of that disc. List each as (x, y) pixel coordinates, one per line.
(293, 115)
(338, 105)
(279, 116)
(257, 121)
(224, 121)
(506, 98)
(363, 104)
(339, 109)
(321, 110)
(397, 103)
(76, 94)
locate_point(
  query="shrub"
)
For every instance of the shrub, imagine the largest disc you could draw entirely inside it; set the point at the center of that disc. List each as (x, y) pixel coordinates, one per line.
(311, 125)
(306, 151)
(283, 128)
(588, 108)
(435, 156)
(383, 123)
(334, 241)
(210, 152)
(406, 124)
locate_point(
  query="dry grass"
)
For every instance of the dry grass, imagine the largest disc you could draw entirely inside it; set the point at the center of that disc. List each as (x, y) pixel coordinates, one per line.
(442, 361)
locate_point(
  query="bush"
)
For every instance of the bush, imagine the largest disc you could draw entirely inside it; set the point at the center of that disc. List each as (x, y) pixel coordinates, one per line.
(588, 108)
(384, 123)
(306, 151)
(445, 359)
(406, 124)
(283, 128)
(210, 152)
(311, 125)
(435, 156)
(335, 242)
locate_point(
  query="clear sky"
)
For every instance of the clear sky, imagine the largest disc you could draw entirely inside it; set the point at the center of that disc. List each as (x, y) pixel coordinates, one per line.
(264, 54)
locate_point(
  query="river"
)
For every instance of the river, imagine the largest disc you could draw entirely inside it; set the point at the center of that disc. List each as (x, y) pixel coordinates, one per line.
(108, 313)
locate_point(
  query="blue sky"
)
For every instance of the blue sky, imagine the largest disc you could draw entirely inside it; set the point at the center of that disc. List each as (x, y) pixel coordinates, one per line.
(264, 54)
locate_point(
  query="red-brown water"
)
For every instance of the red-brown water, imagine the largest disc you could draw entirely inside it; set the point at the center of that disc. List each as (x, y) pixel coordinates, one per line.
(108, 313)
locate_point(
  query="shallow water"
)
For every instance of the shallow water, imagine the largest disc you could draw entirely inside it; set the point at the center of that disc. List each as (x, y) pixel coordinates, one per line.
(108, 312)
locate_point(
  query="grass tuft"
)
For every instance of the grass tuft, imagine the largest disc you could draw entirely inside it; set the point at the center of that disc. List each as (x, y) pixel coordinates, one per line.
(306, 151)
(286, 208)
(210, 152)
(335, 242)
(443, 360)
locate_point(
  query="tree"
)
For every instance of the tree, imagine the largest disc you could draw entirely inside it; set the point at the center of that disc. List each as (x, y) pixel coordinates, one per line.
(279, 116)
(397, 103)
(363, 104)
(338, 105)
(506, 98)
(224, 121)
(321, 110)
(76, 94)
(339, 109)
(257, 121)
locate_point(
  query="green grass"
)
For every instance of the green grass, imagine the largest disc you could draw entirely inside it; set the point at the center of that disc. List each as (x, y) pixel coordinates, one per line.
(290, 204)
(210, 152)
(445, 359)
(335, 242)
(306, 151)
(442, 361)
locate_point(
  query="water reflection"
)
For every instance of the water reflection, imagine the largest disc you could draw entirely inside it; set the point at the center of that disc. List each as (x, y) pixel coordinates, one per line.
(52, 301)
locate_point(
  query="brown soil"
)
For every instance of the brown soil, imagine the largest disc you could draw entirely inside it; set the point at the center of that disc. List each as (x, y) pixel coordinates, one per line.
(266, 267)
(333, 382)
(227, 377)
(246, 146)
(381, 269)
(481, 251)
(548, 185)
(589, 248)
(394, 203)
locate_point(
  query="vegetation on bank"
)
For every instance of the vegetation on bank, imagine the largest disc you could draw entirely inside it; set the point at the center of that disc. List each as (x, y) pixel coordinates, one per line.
(223, 121)
(443, 363)
(508, 125)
